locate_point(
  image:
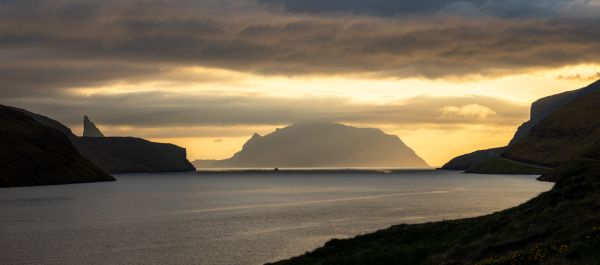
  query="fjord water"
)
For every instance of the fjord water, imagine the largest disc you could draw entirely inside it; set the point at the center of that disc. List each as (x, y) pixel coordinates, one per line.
(235, 218)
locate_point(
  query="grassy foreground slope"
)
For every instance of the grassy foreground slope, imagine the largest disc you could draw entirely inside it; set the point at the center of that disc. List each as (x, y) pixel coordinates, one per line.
(561, 226)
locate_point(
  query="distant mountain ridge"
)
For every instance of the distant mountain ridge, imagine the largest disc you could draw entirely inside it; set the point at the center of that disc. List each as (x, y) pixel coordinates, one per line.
(322, 144)
(32, 153)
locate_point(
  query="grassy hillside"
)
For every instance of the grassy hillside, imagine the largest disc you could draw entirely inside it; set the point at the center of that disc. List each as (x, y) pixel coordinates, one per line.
(498, 165)
(561, 226)
(543, 107)
(463, 162)
(561, 127)
(564, 135)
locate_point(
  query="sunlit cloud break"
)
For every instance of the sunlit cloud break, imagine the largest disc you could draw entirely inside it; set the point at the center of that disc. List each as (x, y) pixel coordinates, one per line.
(262, 63)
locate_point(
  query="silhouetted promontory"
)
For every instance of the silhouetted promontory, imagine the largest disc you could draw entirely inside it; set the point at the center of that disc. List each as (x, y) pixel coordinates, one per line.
(32, 153)
(130, 155)
(124, 154)
(323, 144)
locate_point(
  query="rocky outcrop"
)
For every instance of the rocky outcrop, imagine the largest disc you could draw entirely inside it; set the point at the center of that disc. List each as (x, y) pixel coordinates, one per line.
(90, 129)
(321, 144)
(32, 153)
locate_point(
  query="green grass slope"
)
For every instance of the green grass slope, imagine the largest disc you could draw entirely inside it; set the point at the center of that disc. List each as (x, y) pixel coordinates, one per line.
(564, 135)
(561, 128)
(498, 165)
(465, 161)
(561, 226)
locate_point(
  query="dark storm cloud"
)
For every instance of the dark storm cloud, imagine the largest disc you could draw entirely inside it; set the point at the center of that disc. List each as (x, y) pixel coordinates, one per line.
(38, 80)
(142, 38)
(378, 7)
(50, 46)
(504, 8)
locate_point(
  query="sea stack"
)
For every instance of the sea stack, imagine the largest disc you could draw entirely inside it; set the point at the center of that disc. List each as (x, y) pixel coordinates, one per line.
(90, 129)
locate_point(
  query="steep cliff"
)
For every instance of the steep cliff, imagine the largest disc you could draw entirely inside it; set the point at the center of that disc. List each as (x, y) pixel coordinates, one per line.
(540, 110)
(32, 153)
(123, 154)
(565, 134)
(543, 107)
(131, 155)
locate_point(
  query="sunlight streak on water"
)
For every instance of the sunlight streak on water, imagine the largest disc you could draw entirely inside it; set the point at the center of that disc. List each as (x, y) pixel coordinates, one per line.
(308, 202)
(189, 218)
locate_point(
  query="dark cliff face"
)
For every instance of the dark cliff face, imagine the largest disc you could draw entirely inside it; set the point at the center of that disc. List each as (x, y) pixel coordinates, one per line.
(32, 154)
(123, 154)
(565, 134)
(540, 110)
(129, 155)
(319, 144)
(543, 107)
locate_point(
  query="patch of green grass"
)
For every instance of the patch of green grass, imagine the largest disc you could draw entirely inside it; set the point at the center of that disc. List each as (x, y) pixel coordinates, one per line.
(498, 165)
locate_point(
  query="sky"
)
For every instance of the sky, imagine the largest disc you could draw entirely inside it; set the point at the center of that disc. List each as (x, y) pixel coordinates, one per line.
(448, 77)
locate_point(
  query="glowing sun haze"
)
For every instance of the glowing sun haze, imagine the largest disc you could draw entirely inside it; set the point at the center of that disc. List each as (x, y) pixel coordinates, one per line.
(447, 77)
